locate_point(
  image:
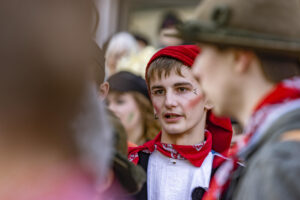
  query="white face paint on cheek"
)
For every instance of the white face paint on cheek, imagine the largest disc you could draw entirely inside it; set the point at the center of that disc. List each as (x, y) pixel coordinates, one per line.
(156, 105)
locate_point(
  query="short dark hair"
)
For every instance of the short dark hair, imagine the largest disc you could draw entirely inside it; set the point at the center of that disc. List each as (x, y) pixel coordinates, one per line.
(275, 67)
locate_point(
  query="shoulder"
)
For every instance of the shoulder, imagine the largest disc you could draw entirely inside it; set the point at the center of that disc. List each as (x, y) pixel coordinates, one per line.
(278, 165)
(282, 152)
(272, 172)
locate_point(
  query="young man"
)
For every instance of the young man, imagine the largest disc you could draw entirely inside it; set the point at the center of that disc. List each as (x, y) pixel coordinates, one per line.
(180, 160)
(246, 67)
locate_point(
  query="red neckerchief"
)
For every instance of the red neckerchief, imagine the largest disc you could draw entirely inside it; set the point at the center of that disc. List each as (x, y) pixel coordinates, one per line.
(284, 93)
(193, 153)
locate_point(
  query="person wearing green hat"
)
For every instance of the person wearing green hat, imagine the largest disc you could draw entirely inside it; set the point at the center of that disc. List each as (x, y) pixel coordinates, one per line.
(249, 69)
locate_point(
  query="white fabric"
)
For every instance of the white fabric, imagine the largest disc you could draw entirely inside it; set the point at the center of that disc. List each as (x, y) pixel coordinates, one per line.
(169, 178)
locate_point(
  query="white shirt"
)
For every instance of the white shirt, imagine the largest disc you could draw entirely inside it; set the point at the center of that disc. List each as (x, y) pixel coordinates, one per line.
(169, 178)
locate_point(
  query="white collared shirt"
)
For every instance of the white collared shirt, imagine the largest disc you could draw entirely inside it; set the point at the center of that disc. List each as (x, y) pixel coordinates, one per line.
(175, 179)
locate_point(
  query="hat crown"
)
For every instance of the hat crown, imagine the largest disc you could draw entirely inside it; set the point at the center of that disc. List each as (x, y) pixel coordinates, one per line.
(272, 17)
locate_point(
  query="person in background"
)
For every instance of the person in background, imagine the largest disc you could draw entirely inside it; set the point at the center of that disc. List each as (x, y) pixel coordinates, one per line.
(44, 82)
(142, 41)
(168, 25)
(181, 159)
(120, 48)
(128, 98)
(137, 62)
(123, 178)
(249, 68)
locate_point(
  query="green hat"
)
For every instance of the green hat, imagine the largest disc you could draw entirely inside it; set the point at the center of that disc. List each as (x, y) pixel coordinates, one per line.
(131, 176)
(263, 25)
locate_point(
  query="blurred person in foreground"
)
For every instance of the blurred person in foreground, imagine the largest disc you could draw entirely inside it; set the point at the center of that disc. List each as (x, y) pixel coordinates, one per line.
(249, 69)
(123, 178)
(181, 159)
(44, 87)
(128, 98)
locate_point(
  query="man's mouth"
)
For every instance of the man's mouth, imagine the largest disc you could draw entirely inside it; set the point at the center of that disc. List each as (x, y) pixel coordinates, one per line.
(172, 117)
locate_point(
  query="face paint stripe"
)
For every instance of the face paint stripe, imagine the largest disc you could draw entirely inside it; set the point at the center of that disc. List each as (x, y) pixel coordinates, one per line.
(195, 91)
(130, 117)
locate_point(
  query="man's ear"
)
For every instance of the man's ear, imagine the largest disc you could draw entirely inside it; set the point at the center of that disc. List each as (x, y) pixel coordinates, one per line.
(103, 90)
(243, 60)
(208, 105)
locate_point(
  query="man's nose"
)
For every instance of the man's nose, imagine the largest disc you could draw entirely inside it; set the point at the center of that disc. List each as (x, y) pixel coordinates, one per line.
(170, 100)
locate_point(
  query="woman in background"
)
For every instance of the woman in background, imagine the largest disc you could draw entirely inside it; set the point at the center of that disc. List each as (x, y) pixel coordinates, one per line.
(128, 99)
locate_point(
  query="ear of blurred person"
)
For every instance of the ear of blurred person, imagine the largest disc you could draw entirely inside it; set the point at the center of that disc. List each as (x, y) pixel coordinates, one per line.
(103, 90)
(98, 71)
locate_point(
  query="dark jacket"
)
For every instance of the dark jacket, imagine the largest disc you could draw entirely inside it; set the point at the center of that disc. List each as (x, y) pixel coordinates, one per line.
(272, 166)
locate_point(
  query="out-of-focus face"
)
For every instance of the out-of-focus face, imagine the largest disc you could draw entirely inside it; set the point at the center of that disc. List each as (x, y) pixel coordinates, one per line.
(167, 40)
(213, 69)
(178, 102)
(125, 107)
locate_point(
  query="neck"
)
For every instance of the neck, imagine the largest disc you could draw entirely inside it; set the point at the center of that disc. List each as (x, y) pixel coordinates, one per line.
(193, 136)
(255, 92)
(135, 135)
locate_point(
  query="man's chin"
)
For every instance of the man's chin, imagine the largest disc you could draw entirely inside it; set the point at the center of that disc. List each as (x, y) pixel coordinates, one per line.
(173, 131)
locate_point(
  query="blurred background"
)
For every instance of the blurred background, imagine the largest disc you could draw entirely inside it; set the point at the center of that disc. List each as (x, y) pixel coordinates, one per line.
(141, 17)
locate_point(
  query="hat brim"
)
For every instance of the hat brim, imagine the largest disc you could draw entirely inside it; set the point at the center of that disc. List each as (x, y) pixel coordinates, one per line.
(196, 31)
(131, 176)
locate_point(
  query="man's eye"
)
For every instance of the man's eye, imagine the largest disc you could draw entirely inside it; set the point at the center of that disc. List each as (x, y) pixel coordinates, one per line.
(182, 89)
(158, 92)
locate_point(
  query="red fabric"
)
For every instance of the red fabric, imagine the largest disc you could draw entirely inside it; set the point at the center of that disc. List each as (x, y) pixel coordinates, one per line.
(184, 53)
(221, 130)
(193, 153)
(219, 127)
(282, 94)
(130, 144)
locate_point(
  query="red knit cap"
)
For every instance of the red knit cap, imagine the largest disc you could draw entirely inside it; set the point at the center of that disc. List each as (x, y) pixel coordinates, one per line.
(219, 127)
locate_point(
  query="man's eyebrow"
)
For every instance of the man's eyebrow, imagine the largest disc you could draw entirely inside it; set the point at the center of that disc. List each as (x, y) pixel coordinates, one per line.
(182, 84)
(156, 87)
